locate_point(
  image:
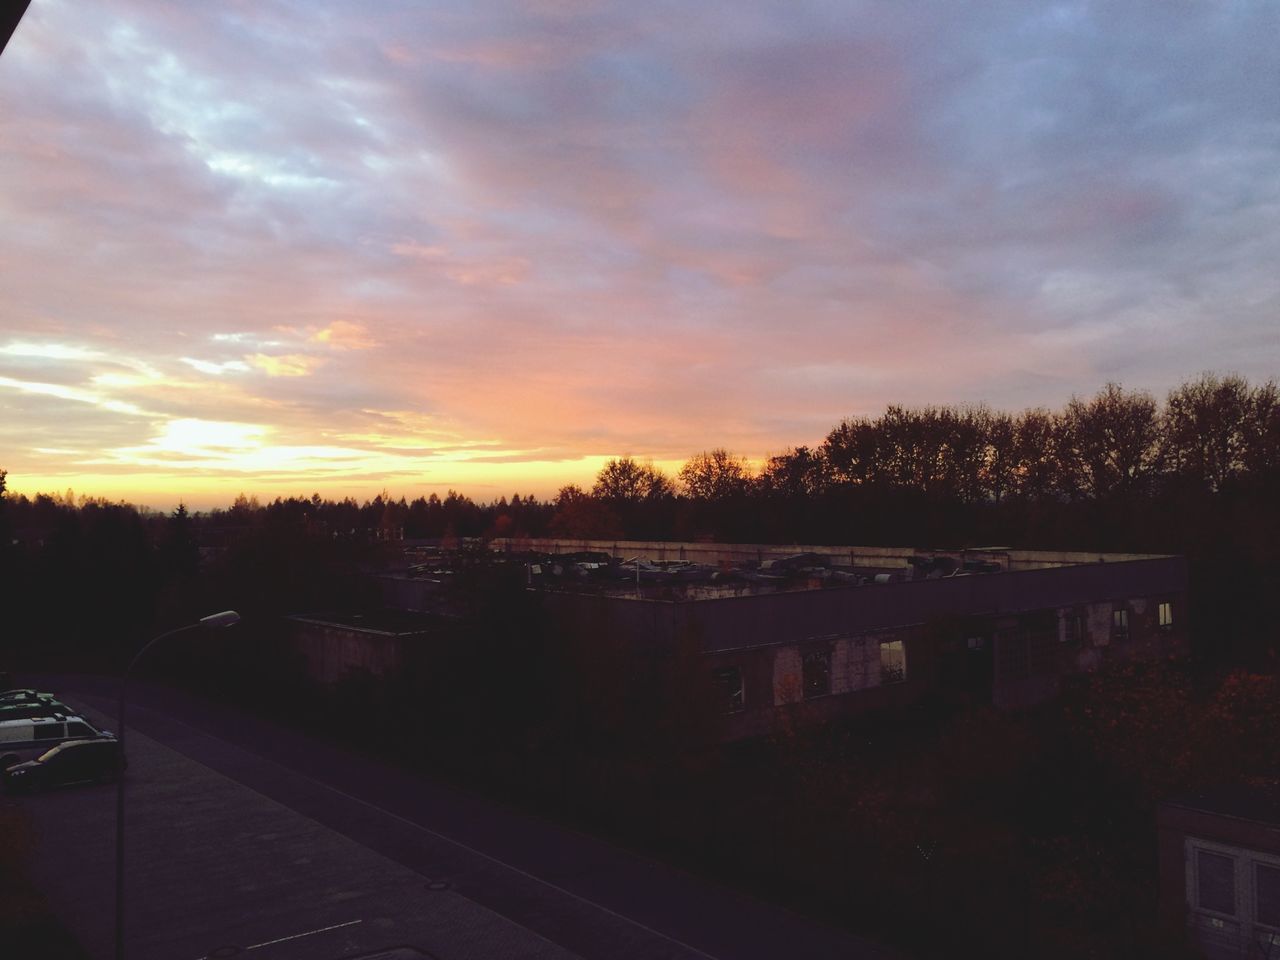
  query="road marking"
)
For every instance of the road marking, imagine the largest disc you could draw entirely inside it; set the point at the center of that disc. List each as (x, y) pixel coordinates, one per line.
(298, 936)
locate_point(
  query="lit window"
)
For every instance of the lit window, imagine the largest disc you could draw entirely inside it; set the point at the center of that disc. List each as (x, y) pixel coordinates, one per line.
(728, 684)
(817, 673)
(1120, 623)
(1215, 882)
(1166, 616)
(893, 661)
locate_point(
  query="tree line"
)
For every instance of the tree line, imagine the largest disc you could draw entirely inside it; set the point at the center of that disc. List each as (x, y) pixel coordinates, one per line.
(1197, 473)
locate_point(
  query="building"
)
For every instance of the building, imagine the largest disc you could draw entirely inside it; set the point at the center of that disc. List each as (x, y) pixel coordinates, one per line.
(333, 645)
(823, 632)
(803, 634)
(1220, 867)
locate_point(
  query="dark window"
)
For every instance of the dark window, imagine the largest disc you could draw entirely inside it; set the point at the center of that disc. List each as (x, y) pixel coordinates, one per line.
(893, 661)
(728, 684)
(79, 730)
(817, 673)
(49, 731)
(1120, 623)
(1267, 891)
(1072, 626)
(1216, 882)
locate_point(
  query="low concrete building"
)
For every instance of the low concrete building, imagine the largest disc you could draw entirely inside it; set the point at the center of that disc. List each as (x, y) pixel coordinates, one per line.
(334, 645)
(884, 627)
(1220, 868)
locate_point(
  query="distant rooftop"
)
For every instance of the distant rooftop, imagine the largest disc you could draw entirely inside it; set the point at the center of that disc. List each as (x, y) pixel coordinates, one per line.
(695, 570)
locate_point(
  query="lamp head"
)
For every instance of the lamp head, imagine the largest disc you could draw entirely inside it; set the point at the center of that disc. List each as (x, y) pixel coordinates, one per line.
(227, 618)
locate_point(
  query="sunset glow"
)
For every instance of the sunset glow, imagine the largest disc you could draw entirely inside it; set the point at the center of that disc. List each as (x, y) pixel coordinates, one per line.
(275, 249)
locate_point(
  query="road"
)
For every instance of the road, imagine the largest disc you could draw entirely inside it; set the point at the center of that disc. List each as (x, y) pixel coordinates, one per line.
(245, 836)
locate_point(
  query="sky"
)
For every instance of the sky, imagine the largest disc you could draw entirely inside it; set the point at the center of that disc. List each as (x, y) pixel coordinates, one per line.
(291, 247)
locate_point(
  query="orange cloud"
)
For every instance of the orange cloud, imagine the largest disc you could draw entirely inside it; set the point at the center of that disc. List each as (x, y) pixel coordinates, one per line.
(285, 365)
(344, 335)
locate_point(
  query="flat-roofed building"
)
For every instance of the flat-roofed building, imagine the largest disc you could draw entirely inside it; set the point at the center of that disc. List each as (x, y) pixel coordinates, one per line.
(823, 632)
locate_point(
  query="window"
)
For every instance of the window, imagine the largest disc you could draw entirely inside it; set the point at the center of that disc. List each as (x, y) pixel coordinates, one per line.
(1216, 882)
(1266, 889)
(78, 730)
(48, 731)
(1072, 626)
(817, 673)
(1120, 623)
(1166, 616)
(728, 684)
(1234, 892)
(893, 661)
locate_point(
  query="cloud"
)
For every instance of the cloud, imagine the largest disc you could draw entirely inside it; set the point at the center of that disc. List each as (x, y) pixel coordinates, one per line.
(216, 369)
(569, 229)
(345, 335)
(285, 365)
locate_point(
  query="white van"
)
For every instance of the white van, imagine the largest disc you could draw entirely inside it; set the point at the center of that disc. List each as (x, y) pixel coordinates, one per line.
(20, 739)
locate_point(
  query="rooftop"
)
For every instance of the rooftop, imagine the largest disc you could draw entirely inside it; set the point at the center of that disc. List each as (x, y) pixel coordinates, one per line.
(698, 571)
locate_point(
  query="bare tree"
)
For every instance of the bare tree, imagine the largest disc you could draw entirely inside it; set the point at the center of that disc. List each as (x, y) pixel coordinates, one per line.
(1037, 466)
(715, 475)
(850, 453)
(1112, 441)
(799, 472)
(1261, 454)
(628, 481)
(1204, 429)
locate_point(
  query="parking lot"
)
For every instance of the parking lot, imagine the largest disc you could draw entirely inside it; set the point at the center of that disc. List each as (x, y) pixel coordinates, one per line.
(246, 836)
(216, 869)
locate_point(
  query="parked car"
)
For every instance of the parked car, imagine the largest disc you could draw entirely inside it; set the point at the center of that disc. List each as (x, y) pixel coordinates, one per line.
(29, 737)
(74, 761)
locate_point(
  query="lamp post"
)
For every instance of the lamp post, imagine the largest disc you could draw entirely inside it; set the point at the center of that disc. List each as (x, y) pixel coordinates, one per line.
(227, 618)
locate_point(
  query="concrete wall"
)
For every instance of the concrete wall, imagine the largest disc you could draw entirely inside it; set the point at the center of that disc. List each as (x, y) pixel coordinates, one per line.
(332, 650)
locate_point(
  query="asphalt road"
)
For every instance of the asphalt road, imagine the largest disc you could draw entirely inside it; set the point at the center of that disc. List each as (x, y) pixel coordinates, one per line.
(245, 836)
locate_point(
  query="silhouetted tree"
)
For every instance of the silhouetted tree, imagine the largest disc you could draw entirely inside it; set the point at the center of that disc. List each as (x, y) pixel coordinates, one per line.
(1112, 442)
(797, 473)
(1205, 429)
(627, 481)
(580, 516)
(716, 475)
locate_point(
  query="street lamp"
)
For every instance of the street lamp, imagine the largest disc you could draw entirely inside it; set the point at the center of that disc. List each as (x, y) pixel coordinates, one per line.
(227, 618)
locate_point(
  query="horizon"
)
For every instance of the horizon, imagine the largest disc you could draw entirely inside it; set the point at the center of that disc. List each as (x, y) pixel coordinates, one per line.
(273, 250)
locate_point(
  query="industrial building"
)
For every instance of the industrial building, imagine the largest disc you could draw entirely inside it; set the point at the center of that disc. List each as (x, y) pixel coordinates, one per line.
(823, 632)
(810, 633)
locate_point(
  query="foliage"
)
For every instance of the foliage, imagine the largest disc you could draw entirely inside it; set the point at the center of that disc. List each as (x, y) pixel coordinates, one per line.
(715, 475)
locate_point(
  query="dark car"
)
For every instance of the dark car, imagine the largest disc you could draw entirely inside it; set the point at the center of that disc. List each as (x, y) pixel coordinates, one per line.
(74, 761)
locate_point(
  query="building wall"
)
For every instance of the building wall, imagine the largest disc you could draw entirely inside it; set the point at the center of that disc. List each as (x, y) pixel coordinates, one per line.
(1180, 831)
(998, 638)
(330, 651)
